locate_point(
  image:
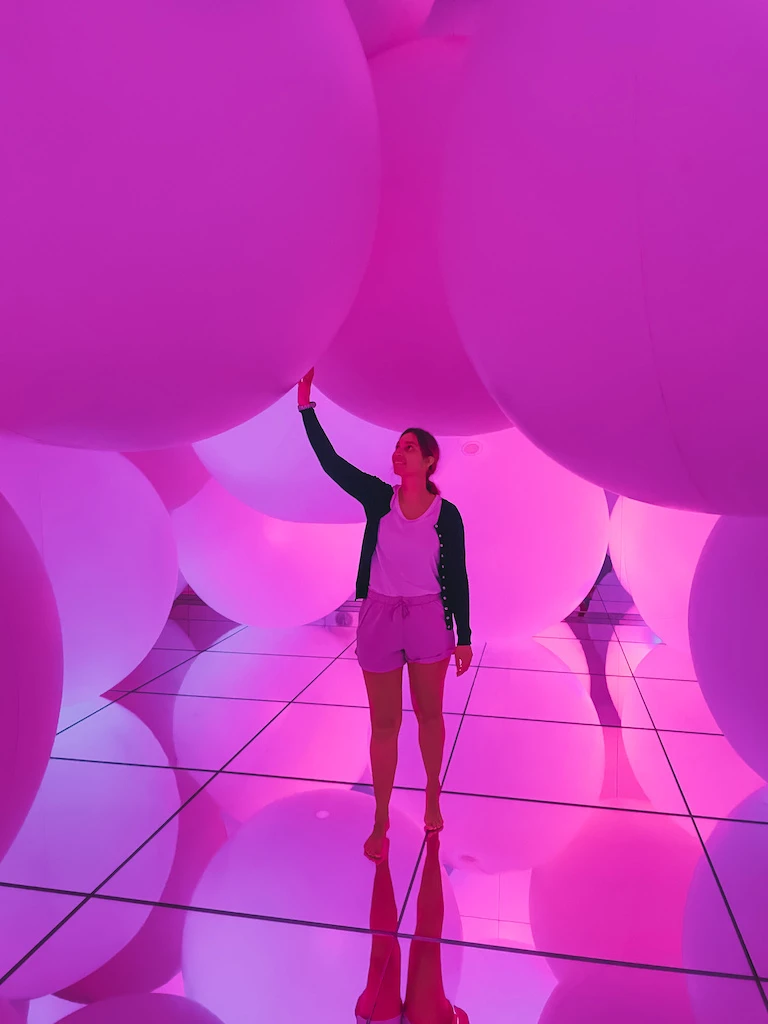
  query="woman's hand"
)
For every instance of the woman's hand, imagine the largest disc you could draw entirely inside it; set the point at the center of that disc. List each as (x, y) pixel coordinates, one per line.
(305, 388)
(463, 658)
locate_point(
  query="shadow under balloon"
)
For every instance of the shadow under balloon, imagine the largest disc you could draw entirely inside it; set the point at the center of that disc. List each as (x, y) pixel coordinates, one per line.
(425, 999)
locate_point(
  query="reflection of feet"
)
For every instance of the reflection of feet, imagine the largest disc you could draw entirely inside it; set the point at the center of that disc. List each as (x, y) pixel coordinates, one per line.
(376, 845)
(460, 1016)
(433, 819)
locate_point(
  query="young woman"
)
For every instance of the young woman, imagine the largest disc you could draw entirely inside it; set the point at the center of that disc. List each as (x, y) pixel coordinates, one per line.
(413, 579)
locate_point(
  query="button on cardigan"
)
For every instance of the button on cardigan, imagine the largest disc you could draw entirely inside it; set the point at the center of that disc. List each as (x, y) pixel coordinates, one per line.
(376, 498)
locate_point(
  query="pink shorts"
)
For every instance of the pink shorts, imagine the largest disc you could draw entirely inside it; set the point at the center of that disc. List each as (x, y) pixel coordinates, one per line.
(395, 631)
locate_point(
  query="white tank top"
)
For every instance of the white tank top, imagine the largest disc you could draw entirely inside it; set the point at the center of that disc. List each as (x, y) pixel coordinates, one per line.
(405, 562)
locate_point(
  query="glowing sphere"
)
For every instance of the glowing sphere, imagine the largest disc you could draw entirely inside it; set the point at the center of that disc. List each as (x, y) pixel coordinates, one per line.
(153, 956)
(398, 360)
(739, 852)
(605, 995)
(606, 240)
(712, 775)
(108, 548)
(269, 464)
(86, 819)
(31, 660)
(177, 474)
(209, 732)
(382, 24)
(8, 1014)
(655, 552)
(170, 266)
(262, 571)
(300, 859)
(499, 835)
(149, 1009)
(617, 892)
(536, 534)
(728, 612)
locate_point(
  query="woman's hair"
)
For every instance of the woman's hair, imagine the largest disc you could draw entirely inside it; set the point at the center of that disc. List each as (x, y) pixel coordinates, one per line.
(430, 449)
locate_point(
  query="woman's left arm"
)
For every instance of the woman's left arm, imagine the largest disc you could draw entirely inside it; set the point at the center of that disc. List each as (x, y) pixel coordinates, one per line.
(460, 587)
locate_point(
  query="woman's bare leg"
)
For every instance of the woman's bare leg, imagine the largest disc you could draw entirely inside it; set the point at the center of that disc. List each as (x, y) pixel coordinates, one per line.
(385, 699)
(427, 686)
(382, 993)
(425, 999)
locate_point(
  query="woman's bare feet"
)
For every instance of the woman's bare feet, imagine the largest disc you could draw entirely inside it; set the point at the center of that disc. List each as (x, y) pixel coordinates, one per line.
(376, 846)
(433, 819)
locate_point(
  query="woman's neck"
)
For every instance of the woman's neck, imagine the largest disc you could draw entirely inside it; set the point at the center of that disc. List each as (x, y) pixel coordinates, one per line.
(414, 487)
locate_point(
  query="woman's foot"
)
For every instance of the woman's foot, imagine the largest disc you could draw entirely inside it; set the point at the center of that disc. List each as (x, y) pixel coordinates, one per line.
(433, 819)
(376, 845)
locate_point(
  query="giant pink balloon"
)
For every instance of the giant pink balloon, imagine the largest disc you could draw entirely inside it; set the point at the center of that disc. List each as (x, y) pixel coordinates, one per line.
(655, 551)
(87, 818)
(728, 613)
(617, 892)
(188, 206)
(149, 1009)
(397, 360)
(107, 544)
(385, 23)
(739, 853)
(177, 474)
(262, 571)
(269, 464)
(606, 227)
(536, 534)
(32, 669)
(299, 859)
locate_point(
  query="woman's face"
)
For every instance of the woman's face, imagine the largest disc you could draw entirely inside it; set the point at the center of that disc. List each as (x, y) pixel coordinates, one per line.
(407, 459)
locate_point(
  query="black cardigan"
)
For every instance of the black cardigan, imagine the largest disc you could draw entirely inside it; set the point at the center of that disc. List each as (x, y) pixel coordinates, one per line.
(376, 498)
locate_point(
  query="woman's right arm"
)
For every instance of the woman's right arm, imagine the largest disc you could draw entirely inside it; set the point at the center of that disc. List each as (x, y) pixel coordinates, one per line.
(361, 486)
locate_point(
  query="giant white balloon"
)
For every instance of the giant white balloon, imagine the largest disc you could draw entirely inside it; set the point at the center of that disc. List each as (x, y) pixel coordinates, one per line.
(728, 613)
(398, 360)
(176, 473)
(262, 571)
(32, 669)
(655, 551)
(269, 464)
(606, 240)
(300, 859)
(107, 545)
(86, 820)
(188, 207)
(536, 534)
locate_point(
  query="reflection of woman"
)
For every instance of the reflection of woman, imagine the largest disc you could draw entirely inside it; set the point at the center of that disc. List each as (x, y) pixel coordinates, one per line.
(413, 577)
(605, 571)
(425, 998)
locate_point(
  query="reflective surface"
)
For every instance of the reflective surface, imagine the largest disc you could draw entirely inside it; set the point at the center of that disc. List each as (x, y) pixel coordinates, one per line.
(603, 858)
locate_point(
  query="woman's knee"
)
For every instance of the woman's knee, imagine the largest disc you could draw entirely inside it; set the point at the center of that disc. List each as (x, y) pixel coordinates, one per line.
(386, 726)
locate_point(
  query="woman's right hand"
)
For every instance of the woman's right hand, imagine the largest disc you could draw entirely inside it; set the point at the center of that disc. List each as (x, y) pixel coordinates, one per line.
(305, 388)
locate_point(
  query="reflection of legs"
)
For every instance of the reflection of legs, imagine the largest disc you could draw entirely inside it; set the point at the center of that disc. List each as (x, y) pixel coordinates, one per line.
(427, 685)
(425, 999)
(385, 697)
(382, 993)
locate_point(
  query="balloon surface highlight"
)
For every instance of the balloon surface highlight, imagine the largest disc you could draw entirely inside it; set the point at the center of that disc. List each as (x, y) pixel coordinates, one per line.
(727, 636)
(536, 534)
(655, 552)
(107, 545)
(262, 571)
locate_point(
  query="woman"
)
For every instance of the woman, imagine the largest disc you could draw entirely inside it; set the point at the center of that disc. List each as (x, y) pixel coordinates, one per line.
(413, 580)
